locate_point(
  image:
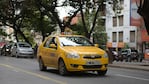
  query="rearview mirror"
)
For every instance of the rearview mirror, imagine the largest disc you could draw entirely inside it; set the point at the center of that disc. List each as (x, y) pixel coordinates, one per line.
(96, 45)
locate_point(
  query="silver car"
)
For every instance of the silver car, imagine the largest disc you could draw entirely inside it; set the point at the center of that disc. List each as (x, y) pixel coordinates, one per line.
(22, 49)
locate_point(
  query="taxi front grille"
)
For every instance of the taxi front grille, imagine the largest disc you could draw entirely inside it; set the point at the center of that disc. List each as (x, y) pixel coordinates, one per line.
(92, 56)
(91, 66)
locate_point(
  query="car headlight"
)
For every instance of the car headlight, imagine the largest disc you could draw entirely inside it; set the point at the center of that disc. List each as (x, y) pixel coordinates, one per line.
(7, 49)
(73, 55)
(105, 55)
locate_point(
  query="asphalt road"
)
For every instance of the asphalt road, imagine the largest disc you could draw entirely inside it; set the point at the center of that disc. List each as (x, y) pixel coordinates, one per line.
(25, 71)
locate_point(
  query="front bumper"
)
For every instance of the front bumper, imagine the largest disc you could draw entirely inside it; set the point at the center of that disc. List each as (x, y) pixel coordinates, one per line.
(24, 54)
(87, 65)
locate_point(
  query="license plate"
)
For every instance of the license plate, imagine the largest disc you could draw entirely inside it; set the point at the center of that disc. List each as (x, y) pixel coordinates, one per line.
(92, 62)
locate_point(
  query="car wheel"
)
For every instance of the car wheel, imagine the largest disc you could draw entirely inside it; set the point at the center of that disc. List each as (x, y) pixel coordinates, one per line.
(62, 68)
(101, 72)
(42, 67)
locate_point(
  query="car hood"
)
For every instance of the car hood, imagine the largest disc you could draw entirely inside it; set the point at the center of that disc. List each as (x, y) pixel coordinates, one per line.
(26, 49)
(84, 50)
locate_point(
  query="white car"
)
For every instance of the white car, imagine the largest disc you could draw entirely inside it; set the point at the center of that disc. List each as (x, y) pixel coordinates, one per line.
(22, 49)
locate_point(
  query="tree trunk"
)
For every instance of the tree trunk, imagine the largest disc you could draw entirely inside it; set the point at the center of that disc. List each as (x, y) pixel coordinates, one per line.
(22, 34)
(15, 32)
(83, 21)
(94, 22)
(41, 25)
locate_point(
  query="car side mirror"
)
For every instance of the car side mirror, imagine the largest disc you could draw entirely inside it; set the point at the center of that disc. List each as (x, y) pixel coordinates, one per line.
(96, 45)
(53, 46)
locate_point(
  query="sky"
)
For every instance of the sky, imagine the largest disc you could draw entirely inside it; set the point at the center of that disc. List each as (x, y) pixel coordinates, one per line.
(63, 11)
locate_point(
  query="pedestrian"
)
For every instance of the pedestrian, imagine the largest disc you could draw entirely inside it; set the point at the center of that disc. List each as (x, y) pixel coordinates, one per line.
(36, 49)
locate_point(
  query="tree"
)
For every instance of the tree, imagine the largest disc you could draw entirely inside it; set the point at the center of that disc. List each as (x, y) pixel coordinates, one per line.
(43, 22)
(2, 33)
(89, 10)
(100, 35)
(24, 15)
(12, 14)
(50, 9)
(43, 16)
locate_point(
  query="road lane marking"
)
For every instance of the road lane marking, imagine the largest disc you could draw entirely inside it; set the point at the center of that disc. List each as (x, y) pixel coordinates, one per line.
(33, 74)
(138, 78)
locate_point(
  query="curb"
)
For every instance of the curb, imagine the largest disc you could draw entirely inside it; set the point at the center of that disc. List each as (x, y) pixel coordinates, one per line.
(134, 67)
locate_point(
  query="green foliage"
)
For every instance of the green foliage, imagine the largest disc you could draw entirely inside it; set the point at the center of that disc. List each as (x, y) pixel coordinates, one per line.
(126, 46)
(78, 28)
(2, 33)
(42, 16)
(28, 19)
(100, 35)
(99, 32)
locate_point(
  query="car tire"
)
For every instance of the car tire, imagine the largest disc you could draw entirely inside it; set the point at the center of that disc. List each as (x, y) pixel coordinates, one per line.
(42, 67)
(101, 72)
(62, 68)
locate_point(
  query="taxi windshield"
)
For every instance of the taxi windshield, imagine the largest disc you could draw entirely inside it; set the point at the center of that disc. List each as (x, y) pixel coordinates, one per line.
(74, 41)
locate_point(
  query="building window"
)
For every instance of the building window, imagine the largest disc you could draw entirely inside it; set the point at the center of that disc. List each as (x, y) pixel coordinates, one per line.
(114, 21)
(120, 20)
(121, 2)
(103, 10)
(114, 39)
(132, 36)
(120, 36)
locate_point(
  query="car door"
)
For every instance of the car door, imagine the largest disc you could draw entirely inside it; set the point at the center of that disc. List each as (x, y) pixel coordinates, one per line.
(45, 52)
(53, 53)
(14, 49)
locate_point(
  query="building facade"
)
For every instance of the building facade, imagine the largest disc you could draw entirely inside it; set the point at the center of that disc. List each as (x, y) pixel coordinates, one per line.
(125, 27)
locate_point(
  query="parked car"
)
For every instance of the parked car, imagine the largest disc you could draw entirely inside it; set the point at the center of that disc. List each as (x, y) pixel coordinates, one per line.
(22, 49)
(117, 56)
(131, 55)
(69, 53)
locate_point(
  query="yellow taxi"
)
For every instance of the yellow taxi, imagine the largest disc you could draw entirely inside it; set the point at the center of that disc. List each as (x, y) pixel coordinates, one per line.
(70, 53)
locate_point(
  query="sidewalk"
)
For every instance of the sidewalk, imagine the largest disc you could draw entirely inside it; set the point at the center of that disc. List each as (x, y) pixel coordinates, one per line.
(144, 65)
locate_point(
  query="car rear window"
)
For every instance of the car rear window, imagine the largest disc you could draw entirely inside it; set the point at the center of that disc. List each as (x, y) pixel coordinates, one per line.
(24, 45)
